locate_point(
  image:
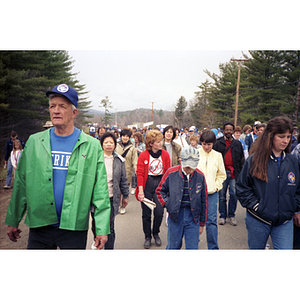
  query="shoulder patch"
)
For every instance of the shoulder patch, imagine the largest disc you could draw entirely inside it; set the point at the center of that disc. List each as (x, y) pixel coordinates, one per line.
(198, 187)
(291, 177)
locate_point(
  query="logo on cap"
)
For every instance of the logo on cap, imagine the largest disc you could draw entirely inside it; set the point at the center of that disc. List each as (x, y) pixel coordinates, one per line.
(63, 88)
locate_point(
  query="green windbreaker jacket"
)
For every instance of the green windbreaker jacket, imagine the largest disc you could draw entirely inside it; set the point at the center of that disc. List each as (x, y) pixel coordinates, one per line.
(86, 184)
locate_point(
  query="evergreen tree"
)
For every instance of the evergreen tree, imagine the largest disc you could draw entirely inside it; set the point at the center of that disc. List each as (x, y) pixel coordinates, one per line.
(199, 106)
(107, 105)
(180, 109)
(25, 76)
(263, 94)
(223, 91)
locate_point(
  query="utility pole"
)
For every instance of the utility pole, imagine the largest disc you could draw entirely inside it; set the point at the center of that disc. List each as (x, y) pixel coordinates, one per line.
(152, 115)
(237, 87)
(116, 117)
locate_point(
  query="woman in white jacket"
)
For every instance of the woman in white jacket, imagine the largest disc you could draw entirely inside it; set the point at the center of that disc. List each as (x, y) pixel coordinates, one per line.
(212, 165)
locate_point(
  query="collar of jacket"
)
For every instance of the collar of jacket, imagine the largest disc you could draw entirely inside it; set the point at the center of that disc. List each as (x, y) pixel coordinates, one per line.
(283, 155)
(125, 146)
(45, 139)
(181, 173)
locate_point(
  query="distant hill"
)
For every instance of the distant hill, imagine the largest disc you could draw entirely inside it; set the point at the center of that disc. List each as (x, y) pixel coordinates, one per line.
(139, 115)
(95, 112)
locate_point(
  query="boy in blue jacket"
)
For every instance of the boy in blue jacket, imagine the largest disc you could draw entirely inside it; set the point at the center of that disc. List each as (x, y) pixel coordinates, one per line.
(183, 192)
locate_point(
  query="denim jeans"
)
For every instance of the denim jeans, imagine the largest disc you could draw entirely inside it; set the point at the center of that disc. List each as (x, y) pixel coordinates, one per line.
(211, 223)
(232, 198)
(9, 172)
(258, 234)
(186, 227)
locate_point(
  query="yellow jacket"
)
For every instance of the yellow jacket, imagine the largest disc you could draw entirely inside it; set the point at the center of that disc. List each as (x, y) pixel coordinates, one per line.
(212, 165)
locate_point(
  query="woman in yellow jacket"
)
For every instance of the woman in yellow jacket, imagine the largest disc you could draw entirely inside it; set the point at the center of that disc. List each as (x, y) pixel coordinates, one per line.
(212, 165)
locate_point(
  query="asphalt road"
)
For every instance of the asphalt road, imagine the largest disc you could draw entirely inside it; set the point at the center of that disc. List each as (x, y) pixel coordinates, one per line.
(129, 232)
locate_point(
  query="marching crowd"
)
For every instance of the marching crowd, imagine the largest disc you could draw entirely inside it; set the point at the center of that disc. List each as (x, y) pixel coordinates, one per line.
(62, 176)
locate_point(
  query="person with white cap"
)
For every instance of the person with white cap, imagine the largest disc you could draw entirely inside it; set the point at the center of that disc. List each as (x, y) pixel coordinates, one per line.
(183, 192)
(61, 173)
(191, 132)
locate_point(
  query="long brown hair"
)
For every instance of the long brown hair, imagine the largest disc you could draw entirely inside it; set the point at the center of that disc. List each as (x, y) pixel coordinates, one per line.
(262, 147)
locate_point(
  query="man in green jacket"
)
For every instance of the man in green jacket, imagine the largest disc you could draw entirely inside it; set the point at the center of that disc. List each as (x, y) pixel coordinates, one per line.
(60, 174)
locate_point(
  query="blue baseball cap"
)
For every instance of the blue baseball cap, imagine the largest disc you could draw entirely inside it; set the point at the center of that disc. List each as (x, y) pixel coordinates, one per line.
(66, 91)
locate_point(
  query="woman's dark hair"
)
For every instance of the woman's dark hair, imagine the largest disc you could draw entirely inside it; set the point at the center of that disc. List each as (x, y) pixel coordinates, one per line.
(262, 147)
(208, 136)
(176, 129)
(125, 132)
(167, 128)
(106, 135)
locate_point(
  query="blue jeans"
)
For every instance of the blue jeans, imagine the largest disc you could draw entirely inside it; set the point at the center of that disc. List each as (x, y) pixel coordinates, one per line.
(211, 223)
(186, 227)
(9, 172)
(258, 234)
(232, 198)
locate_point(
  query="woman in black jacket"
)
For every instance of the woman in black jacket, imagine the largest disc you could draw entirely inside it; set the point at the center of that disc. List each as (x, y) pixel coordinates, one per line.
(269, 187)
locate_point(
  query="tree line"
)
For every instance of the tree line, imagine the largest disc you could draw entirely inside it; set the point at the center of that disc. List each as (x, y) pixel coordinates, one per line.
(25, 76)
(269, 84)
(269, 87)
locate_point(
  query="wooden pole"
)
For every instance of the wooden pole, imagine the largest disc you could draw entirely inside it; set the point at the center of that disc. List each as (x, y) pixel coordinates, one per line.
(152, 115)
(237, 89)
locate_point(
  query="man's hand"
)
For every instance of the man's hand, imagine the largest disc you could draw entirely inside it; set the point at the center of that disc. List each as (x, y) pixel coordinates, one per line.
(125, 202)
(296, 220)
(201, 229)
(100, 241)
(13, 233)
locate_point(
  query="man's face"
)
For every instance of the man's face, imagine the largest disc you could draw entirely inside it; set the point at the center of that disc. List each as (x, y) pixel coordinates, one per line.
(188, 170)
(61, 113)
(228, 131)
(101, 131)
(13, 137)
(260, 130)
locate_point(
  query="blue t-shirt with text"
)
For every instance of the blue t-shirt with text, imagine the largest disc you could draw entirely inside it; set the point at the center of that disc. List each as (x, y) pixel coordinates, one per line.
(61, 150)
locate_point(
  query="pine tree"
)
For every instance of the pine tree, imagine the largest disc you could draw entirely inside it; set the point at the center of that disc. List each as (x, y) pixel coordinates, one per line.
(107, 105)
(25, 76)
(180, 109)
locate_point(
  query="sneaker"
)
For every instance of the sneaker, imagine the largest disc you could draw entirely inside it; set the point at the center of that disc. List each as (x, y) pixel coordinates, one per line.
(232, 221)
(147, 243)
(122, 210)
(222, 221)
(132, 191)
(7, 187)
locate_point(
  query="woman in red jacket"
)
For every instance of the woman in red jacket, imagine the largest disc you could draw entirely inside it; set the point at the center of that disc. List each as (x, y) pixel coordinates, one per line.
(151, 166)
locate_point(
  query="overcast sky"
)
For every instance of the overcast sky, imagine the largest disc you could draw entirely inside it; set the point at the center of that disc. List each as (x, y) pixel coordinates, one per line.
(134, 79)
